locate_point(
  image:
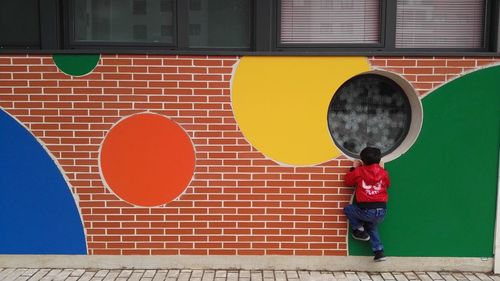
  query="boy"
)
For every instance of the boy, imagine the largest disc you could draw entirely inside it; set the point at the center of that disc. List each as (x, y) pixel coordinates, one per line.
(368, 210)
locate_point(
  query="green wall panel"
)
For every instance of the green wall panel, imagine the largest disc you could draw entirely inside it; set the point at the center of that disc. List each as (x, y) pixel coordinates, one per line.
(443, 194)
(76, 64)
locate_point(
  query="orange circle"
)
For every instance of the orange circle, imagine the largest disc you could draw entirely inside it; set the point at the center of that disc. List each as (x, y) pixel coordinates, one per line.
(147, 159)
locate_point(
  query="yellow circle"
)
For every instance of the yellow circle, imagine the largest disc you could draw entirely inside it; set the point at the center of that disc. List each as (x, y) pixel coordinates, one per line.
(281, 104)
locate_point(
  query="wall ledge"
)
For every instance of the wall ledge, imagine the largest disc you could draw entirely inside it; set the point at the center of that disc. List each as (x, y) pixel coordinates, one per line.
(336, 263)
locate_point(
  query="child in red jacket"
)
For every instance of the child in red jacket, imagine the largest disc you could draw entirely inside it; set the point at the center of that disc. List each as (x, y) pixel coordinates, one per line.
(369, 207)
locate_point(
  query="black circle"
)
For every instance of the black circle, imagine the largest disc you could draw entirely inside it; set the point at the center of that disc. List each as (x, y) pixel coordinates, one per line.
(369, 110)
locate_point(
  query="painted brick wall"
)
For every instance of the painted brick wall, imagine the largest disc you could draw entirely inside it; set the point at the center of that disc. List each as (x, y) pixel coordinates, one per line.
(238, 203)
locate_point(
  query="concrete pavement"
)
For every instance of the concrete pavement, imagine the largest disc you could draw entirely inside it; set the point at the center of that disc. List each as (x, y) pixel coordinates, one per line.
(52, 274)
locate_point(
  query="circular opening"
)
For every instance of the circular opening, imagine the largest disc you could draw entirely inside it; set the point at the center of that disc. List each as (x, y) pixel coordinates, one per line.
(369, 110)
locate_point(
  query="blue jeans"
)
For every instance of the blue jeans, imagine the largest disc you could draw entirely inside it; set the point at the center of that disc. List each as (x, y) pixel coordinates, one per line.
(369, 219)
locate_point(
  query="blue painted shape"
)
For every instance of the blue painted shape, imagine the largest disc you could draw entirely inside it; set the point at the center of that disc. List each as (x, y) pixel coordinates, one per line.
(38, 214)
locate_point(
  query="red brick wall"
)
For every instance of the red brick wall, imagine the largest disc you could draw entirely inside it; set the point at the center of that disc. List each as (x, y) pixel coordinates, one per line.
(238, 203)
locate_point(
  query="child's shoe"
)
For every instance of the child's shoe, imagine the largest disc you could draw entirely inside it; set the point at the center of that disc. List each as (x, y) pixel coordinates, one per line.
(379, 256)
(360, 235)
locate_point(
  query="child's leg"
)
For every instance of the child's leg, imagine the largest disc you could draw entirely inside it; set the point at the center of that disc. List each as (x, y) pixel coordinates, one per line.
(375, 241)
(371, 226)
(354, 215)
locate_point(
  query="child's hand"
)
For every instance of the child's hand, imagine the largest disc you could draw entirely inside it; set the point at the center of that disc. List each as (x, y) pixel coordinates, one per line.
(357, 163)
(381, 164)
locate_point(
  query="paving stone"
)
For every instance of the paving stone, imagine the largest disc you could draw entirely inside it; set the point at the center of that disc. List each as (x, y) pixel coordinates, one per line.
(400, 277)
(340, 275)
(220, 273)
(64, 275)
(14, 275)
(87, 276)
(30, 272)
(363, 276)
(483, 277)
(352, 276)
(411, 276)
(304, 275)
(78, 273)
(447, 276)
(459, 276)
(232, 276)
(6, 272)
(376, 277)
(197, 273)
(38, 275)
(495, 277)
(245, 273)
(184, 275)
(112, 275)
(256, 276)
(268, 274)
(173, 273)
(280, 275)
(423, 276)
(292, 274)
(136, 275)
(149, 273)
(435, 276)
(72, 278)
(51, 275)
(125, 273)
(101, 273)
(208, 275)
(388, 276)
(471, 277)
(194, 278)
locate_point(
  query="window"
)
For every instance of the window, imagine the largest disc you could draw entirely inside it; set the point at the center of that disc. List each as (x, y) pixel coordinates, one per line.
(19, 24)
(369, 110)
(119, 21)
(440, 24)
(222, 24)
(330, 22)
(187, 24)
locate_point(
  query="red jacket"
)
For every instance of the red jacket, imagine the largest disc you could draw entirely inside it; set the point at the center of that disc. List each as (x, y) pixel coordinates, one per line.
(371, 183)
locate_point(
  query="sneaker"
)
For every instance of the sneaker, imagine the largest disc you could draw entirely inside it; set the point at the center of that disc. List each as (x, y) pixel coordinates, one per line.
(360, 235)
(379, 256)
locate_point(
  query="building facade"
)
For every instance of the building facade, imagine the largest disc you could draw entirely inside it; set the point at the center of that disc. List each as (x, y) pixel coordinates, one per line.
(225, 128)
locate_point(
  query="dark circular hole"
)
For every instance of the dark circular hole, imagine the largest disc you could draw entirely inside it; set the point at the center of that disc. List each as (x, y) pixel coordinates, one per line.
(369, 110)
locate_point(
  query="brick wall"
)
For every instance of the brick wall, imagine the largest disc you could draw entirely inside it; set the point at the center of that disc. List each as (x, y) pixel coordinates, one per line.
(238, 203)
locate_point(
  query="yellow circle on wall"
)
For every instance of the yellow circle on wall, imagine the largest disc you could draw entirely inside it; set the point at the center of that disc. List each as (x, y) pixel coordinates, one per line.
(281, 104)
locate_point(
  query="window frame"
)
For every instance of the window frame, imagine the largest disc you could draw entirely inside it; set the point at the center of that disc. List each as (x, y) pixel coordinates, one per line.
(55, 36)
(319, 46)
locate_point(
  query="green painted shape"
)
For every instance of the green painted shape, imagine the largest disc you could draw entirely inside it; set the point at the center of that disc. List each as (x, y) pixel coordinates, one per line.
(443, 193)
(76, 64)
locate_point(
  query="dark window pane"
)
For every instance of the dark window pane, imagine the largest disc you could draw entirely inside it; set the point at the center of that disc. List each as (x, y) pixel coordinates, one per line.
(140, 32)
(223, 23)
(140, 7)
(166, 6)
(19, 23)
(123, 21)
(369, 110)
